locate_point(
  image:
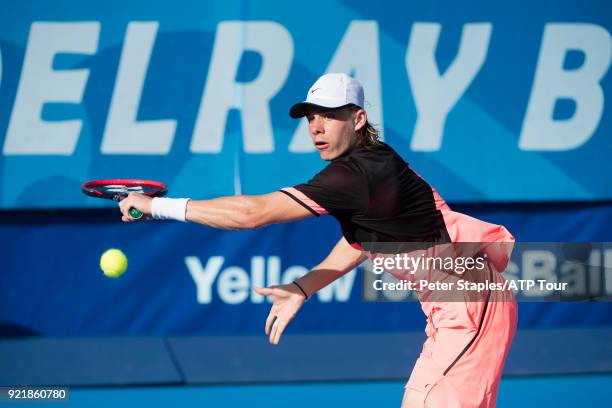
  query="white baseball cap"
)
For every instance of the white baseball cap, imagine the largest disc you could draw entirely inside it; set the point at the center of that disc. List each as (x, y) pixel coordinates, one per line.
(333, 90)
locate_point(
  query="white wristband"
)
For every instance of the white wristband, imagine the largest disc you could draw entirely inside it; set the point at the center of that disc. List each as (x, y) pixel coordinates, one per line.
(169, 208)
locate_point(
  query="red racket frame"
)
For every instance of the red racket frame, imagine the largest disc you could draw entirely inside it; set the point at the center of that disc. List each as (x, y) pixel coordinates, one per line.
(93, 188)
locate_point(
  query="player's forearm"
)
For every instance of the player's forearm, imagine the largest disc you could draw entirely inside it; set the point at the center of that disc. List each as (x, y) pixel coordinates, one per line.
(228, 213)
(318, 278)
(341, 260)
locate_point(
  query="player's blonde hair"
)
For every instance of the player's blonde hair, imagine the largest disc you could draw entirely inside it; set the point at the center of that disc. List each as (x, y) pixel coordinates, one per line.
(368, 135)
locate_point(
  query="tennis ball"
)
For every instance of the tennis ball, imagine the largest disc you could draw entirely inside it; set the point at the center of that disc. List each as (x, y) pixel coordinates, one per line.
(113, 263)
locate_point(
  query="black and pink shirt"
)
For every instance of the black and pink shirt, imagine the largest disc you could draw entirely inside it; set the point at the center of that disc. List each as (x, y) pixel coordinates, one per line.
(375, 196)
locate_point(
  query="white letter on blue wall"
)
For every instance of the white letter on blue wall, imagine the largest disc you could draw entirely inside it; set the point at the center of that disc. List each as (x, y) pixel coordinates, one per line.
(436, 94)
(357, 54)
(123, 134)
(540, 130)
(222, 93)
(39, 84)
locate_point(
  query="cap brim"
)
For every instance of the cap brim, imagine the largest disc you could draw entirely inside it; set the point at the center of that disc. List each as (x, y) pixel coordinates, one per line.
(301, 109)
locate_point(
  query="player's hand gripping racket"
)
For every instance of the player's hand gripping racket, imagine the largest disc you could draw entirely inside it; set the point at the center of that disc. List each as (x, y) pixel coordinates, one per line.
(118, 189)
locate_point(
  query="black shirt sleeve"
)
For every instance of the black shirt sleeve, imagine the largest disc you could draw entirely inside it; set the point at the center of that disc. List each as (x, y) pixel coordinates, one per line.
(340, 189)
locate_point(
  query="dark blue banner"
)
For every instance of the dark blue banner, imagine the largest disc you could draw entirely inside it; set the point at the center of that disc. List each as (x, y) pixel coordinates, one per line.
(189, 279)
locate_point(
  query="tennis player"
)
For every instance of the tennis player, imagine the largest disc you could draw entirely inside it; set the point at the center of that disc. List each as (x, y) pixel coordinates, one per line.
(376, 197)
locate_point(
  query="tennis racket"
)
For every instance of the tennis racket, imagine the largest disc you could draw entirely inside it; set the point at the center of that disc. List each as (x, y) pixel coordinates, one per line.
(118, 189)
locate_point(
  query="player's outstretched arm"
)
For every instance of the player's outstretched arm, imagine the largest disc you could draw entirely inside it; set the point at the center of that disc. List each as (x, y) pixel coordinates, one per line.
(288, 299)
(246, 212)
(228, 213)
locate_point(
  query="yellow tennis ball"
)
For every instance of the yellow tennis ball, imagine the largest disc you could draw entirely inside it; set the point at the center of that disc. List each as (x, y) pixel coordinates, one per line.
(113, 263)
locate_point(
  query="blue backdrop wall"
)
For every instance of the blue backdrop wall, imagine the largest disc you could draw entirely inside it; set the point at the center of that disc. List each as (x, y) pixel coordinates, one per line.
(189, 279)
(488, 101)
(500, 106)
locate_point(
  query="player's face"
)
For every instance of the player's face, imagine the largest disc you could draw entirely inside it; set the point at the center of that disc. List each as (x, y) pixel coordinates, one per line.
(332, 131)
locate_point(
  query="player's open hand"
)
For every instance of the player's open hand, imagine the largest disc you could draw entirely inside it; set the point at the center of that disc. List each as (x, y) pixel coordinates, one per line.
(139, 201)
(286, 301)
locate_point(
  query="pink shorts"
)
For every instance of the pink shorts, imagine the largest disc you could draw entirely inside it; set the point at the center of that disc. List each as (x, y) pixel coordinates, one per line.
(467, 342)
